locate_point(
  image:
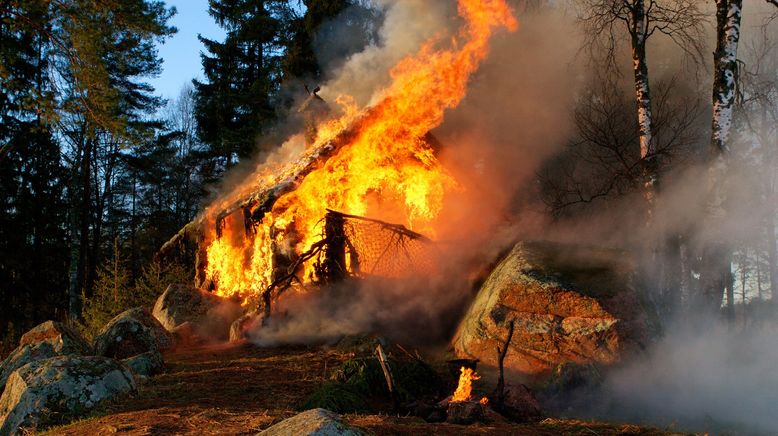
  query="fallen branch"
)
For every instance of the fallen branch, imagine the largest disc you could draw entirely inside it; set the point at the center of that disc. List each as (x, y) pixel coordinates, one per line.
(384, 361)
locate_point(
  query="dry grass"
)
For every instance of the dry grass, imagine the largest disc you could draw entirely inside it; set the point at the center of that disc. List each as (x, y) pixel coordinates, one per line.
(242, 389)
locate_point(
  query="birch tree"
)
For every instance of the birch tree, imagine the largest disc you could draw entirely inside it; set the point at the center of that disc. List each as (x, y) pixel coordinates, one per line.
(757, 105)
(604, 22)
(607, 24)
(716, 273)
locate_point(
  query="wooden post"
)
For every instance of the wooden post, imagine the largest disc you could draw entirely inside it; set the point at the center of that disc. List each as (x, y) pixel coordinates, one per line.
(333, 267)
(384, 361)
(500, 394)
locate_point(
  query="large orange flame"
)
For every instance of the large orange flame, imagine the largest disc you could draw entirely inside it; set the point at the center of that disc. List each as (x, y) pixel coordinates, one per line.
(464, 389)
(386, 170)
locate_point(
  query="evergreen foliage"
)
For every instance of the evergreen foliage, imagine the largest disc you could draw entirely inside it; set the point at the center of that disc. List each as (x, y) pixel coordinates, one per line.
(114, 291)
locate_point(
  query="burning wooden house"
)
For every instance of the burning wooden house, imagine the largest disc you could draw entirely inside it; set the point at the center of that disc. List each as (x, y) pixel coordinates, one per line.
(304, 221)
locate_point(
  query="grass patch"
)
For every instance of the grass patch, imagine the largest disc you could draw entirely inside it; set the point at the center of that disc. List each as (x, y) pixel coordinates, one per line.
(359, 385)
(337, 397)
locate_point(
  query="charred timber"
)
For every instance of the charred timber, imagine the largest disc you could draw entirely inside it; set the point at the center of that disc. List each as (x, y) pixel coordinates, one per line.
(332, 269)
(259, 201)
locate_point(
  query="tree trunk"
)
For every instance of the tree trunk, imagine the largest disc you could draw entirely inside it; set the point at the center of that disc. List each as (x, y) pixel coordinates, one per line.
(79, 221)
(772, 258)
(717, 254)
(651, 269)
(672, 276)
(758, 276)
(643, 99)
(686, 279)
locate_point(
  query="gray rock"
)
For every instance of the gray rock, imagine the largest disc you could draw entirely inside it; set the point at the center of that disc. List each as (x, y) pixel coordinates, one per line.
(520, 404)
(146, 364)
(241, 326)
(59, 389)
(209, 314)
(314, 422)
(186, 336)
(132, 332)
(46, 340)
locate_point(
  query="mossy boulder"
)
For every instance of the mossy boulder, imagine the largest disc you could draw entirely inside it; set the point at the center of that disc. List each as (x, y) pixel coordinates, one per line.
(209, 315)
(146, 364)
(59, 389)
(132, 332)
(46, 340)
(569, 304)
(240, 328)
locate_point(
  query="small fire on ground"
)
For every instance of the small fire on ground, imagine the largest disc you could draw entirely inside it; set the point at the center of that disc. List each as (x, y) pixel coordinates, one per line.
(464, 391)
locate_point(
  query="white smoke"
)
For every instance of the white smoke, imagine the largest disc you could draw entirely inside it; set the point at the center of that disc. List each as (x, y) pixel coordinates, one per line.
(719, 381)
(406, 25)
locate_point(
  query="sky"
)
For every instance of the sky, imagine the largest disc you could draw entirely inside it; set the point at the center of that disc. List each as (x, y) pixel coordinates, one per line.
(181, 53)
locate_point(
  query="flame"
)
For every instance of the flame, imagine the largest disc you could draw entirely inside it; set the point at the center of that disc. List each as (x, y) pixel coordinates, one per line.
(386, 169)
(465, 387)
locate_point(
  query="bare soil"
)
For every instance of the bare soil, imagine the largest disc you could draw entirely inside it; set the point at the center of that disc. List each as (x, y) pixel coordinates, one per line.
(243, 389)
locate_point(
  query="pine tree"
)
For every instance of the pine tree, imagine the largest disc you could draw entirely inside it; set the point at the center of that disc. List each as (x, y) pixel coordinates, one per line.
(338, 28)
(71, 94)
(235, 103)
(32, 239)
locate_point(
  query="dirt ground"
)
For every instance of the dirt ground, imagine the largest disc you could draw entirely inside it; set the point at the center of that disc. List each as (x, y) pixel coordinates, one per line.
(242, 389)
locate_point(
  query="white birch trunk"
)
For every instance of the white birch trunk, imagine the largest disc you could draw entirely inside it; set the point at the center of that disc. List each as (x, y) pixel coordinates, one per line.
(717, 253)
(638, 31)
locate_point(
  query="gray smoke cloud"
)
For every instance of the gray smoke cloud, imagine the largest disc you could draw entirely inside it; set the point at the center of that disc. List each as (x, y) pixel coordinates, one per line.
(406, 25)
(717, 380)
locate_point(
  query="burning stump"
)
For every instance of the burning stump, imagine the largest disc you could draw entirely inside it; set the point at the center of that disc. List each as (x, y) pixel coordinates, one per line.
(461, 407)
(464, 412)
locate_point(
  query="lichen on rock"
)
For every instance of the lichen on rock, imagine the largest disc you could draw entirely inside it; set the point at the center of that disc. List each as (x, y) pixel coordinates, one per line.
(132, 332)
(46, 340)
(58, 389)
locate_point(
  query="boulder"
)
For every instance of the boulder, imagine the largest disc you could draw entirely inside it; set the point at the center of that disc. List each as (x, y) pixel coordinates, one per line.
(241, 326)
(211, 316)
(313, 422)
(146, 364)
(130, 333)
(46, 340)
(59, 389)
(186, 336)
(520, 404)
(569, 304)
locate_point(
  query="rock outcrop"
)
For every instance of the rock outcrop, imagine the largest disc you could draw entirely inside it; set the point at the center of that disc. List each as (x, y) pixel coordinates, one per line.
(314, 422)
(46, 340)
(240, 327)
(55, 390)
(209, 315)
(569, 304)
(132, 332)
(146, 364)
